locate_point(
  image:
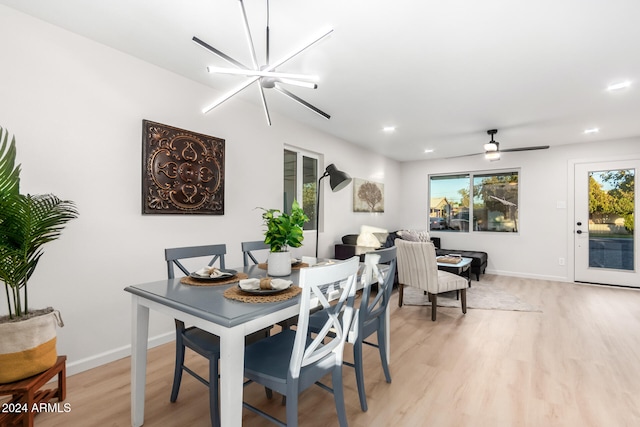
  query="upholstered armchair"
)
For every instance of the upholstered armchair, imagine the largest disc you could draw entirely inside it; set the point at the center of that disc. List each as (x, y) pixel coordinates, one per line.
(417, 267)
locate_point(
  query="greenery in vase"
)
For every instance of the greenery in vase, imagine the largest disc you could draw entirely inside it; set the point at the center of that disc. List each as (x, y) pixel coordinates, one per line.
(284, 230)
(27, 222)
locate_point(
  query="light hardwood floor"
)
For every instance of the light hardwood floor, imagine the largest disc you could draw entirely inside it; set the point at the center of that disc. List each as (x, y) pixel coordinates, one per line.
(576, 363)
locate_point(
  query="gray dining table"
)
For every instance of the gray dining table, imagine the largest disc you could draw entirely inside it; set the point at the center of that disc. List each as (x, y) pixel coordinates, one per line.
(206, 308)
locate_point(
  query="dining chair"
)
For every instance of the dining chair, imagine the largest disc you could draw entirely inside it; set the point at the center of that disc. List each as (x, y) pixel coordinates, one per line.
(248, 247)
(259, 245)
(418, 268)
(198, 340)
(371, 315)
(291, 361)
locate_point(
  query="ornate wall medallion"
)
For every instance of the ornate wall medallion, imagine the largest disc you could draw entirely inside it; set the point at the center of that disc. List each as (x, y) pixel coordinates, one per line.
(183, 171)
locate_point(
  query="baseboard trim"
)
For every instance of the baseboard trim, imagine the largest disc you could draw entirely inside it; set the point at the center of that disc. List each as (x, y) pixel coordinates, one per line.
(112, 355)
(527, 276)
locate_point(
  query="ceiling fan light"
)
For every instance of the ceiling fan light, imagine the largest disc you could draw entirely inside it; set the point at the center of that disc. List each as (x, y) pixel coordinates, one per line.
(492, 155)
(490, 146)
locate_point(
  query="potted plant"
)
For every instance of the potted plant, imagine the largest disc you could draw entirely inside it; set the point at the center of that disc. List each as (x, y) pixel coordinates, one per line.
(27, 222)
(283, 231)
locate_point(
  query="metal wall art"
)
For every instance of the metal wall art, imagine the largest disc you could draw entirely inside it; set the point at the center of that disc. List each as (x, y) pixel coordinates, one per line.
(182, 171)
(367, 196)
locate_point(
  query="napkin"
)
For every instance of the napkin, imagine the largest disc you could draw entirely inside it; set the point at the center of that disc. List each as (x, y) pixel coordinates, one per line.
(254, 284)
(212, 272)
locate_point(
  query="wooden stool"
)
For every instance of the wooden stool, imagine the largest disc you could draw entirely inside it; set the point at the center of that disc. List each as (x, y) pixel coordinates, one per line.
(26, 393)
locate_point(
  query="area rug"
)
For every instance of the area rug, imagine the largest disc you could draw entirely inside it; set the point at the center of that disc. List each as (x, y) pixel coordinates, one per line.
(484, 296)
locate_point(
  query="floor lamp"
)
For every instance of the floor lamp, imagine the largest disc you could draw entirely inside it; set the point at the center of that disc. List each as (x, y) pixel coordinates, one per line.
(337, 180)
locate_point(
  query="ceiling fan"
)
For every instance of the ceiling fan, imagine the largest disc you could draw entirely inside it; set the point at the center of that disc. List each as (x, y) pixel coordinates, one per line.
(492, 148)
(266, 75)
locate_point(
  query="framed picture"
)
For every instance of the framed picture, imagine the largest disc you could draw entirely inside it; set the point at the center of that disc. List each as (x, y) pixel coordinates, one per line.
(182, 171)
(367, 196)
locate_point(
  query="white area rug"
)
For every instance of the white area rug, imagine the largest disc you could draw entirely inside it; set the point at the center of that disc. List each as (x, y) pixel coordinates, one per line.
(485, 296)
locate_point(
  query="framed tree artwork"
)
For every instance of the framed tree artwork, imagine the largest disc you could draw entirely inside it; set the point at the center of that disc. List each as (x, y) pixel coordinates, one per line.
(368, 196)
(182, 171)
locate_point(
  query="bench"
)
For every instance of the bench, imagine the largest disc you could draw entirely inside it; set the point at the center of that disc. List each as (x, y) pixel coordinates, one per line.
(26, 396)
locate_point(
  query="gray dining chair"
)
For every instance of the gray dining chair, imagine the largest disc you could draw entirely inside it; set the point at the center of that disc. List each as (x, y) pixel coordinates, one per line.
(371, 315)
(249, 247)
(202, 342)
(247, 255)
(292, 361)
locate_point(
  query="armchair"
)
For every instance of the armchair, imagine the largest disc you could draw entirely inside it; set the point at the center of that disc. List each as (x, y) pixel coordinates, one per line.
(417, 267)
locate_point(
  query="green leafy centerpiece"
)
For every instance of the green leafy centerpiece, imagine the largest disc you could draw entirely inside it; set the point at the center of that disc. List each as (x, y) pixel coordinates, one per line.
(283, 231)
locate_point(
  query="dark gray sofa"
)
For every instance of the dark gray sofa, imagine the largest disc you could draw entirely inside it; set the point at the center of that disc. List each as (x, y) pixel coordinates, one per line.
(349, 248)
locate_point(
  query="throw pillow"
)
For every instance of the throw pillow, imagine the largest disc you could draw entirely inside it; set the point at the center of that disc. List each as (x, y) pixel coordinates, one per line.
(367, 238)
(414, 236)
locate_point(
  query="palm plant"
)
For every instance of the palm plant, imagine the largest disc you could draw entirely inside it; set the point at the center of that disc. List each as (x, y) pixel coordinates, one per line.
(27, 222)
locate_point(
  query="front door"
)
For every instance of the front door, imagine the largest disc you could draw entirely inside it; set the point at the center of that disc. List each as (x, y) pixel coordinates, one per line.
(606, 199)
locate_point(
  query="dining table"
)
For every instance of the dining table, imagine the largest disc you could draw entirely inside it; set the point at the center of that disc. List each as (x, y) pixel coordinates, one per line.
(207, 308)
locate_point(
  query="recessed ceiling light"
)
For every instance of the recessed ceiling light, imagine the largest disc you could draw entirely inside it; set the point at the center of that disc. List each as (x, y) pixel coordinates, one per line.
(592, 130)
(620, 85)
(428, 150)
(389, 128)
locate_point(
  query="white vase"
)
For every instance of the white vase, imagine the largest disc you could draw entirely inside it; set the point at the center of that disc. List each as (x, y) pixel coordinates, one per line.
(279, 264)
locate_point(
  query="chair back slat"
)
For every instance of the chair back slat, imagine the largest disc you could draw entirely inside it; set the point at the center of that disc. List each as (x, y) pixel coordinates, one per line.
(247, 247)
(174, 255)
(318, 284)
(371, 309)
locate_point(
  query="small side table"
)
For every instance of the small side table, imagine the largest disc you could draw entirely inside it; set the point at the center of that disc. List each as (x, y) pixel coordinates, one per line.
(26, 393)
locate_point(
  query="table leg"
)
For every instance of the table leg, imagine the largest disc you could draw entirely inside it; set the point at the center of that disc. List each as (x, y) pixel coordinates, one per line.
(139, 338)
(231, 377)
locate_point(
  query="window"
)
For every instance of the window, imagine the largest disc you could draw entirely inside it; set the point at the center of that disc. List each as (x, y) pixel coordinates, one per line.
(300, 182)
(494, 207)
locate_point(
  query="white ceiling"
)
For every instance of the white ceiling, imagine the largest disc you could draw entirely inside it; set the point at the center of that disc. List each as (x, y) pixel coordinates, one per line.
(443, 72)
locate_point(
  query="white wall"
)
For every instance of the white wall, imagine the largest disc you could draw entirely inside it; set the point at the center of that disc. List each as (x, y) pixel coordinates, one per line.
(545, 231)
(76, 109)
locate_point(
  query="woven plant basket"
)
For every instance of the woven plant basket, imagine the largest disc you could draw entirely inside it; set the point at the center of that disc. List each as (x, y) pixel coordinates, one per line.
(28, 347)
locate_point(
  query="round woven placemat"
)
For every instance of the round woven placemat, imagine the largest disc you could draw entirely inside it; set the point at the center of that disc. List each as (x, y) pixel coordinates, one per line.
(263, 265)
(235, 293)
(187, 280)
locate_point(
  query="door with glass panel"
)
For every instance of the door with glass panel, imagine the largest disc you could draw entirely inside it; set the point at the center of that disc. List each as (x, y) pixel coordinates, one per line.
(606, 199)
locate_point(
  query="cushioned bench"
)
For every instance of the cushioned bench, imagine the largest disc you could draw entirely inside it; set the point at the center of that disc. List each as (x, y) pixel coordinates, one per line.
(479, 263)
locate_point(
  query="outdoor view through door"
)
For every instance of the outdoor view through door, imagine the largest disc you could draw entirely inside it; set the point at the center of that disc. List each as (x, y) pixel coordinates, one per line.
(611, 225)
(605, 243)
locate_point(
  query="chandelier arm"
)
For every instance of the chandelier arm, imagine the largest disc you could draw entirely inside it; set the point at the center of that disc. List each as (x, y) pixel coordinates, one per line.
(229, 94)
(264, 105)
(298, 51)
(219, 53)
(302, 102)
(247, 32)
(259, 73)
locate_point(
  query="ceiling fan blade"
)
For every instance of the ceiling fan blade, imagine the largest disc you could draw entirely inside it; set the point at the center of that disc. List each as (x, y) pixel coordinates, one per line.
(229, 94)
(302, 102)
(264, 105)
(219, 53)
(538, 147)
(463, 155)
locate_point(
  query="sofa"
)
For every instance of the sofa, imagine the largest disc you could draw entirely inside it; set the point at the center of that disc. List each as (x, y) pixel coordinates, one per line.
(350, 247)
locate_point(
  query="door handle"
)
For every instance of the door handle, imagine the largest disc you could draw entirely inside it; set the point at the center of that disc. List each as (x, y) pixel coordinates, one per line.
(579, 231)
(579, 223)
